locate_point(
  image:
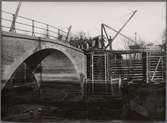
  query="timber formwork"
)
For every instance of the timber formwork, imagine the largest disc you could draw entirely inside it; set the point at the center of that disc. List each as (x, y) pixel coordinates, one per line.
(106, 68)
(156, 66)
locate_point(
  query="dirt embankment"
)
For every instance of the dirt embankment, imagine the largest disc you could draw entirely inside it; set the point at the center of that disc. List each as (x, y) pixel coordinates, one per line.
(151, 98)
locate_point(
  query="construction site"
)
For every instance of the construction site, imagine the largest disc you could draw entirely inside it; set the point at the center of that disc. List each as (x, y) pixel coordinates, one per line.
(123, 85)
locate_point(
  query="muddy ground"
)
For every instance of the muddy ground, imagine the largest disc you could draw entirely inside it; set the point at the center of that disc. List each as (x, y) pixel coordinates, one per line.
(60, 101)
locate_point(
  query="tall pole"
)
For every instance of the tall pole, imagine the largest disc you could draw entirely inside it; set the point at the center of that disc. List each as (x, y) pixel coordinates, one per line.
(69, 29)
(111, 43)
(12, 27)
(102, 26)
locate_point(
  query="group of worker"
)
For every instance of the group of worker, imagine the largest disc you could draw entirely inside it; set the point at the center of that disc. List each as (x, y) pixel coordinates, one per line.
(85, 43)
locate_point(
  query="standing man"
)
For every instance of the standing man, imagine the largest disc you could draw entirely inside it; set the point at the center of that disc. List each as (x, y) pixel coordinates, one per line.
(90, 43)
(102, 43)
(71, 41)
(96, 45)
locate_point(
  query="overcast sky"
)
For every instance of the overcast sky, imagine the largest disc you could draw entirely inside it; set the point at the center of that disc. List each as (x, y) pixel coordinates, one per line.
(148, 22)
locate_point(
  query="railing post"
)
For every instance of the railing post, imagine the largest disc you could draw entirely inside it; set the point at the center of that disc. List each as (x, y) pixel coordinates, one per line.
(33, 33)
(59, 35)
(47, 31)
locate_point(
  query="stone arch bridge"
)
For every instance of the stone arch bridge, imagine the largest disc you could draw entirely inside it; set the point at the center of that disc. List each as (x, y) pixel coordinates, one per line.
(18, 49)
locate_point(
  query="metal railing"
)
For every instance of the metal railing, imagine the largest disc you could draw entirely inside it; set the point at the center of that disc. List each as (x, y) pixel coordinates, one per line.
(31, 27)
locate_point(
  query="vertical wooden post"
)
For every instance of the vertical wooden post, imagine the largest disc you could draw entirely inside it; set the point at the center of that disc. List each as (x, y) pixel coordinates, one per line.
(147, 67)
(119, 84)
(82, 81)
(110, 43)
(92, 71)
(111, 85)
(102, 26)
(162, 67)
(106, 66)
(110, 61)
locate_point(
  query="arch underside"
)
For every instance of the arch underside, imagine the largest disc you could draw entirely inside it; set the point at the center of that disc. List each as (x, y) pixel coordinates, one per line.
(53, 62)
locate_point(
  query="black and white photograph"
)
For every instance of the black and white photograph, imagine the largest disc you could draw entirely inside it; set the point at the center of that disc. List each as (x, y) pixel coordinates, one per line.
(83, 61)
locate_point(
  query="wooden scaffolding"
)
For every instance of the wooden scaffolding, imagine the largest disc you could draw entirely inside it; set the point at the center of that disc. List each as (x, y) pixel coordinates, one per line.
(106, 70)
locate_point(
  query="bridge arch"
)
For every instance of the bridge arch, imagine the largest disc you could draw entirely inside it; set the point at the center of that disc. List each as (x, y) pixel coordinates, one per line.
(34, 57)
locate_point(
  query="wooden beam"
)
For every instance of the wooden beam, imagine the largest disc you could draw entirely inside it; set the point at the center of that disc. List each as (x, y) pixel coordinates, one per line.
(122, 27)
